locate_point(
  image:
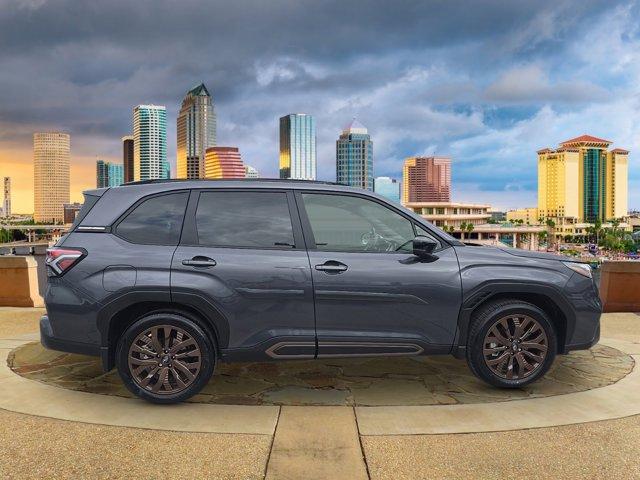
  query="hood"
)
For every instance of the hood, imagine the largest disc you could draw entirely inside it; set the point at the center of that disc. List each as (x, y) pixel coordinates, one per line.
(530, 254)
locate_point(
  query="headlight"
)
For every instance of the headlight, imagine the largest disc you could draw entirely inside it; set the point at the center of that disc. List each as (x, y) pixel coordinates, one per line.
(583, 269)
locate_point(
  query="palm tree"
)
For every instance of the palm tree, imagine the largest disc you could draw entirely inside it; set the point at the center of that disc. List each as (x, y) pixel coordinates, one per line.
(470, 228)
(550, 226)
(463, 228)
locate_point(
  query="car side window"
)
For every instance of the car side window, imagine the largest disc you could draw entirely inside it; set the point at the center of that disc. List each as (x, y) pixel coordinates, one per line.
(244, 219)
(350, 223)
(156, 221)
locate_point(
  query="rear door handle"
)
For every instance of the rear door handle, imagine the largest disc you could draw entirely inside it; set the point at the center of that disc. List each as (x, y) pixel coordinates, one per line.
(205, 262)
(332, 266)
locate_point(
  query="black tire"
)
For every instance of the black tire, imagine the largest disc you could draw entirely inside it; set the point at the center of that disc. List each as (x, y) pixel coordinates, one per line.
(182, 330)
(491, 316)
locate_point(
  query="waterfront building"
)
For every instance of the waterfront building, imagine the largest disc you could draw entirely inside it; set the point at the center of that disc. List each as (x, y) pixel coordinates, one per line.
(387, 187)
(127, 158)
(298, 147)
(196, 131)
(223, 162)
(354, 157)
(149, 142)
(250, 172)
(529, 216)
(51, 157)
(581, 181)
(6, 205)
(426, 179)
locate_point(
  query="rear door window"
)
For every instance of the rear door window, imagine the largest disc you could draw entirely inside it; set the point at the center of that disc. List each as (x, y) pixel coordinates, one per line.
(155, 221)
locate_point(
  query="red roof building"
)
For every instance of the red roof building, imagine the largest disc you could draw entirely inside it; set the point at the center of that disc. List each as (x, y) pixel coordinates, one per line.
(223, 162)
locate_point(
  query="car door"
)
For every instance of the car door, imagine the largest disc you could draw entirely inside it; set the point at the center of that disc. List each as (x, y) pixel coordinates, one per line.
(242, 251)
(372, 295)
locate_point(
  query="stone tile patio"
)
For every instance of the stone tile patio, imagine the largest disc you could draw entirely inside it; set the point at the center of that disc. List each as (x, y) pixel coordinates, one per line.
(352, 382)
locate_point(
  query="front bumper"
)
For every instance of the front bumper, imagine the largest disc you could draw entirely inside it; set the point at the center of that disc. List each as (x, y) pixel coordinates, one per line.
(50, 341)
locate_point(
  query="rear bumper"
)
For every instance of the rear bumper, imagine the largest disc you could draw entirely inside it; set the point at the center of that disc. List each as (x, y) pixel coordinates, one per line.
(48, 340)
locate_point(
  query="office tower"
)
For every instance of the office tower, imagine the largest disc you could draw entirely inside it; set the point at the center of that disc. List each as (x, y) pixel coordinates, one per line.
(166, 170)
(149, 142)
(298, 146)
(51, 155)
(6, 206)
(196, 131)
(583, 181)
(250, 172)
(223, 162)
(115, 174)
(354, 157)
(387, 187)
(102, 174)
(127, 157)
(426, 179)
(71, 212)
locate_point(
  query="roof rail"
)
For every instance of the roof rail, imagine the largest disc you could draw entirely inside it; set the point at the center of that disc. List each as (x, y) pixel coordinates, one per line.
(274, 180)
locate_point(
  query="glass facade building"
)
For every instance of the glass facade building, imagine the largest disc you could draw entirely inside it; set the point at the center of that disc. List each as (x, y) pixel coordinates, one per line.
(387, 187)
(109, 174)
(354, 157)
(298, 147)
(196, 131)
(149, 142)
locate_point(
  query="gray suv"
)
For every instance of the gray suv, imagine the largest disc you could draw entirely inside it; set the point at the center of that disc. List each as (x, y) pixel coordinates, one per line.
(164, 279)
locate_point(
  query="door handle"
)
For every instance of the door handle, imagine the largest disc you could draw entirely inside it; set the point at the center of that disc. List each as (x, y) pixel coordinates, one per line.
(205, 262)
(332, 266)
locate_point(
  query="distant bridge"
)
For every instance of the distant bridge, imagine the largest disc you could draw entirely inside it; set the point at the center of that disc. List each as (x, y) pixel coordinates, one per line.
(13, 226)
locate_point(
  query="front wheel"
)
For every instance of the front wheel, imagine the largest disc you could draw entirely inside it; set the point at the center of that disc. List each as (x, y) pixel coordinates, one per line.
(511, 344)
(165, 358)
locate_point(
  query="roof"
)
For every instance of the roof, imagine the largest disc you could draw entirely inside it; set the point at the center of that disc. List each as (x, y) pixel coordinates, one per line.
(586, 139)
(354, 126)
(199, 90)
(545, 150)
(620, 150)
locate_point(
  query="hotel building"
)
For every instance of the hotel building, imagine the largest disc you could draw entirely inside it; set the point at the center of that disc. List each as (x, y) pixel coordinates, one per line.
(196, 131)
(426, 179)
(51, 156)
(298, 147)
(150, 142)
(223, 162)
(354, 157)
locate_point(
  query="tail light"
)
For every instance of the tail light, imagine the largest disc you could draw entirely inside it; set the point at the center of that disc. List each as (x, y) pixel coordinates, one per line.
(59, 260)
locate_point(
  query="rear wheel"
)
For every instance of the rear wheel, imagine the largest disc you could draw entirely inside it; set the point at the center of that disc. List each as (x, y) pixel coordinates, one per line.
(511, 344)
(165, 358)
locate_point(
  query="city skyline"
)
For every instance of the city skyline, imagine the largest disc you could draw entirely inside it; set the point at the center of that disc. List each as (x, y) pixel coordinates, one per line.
(417, 94)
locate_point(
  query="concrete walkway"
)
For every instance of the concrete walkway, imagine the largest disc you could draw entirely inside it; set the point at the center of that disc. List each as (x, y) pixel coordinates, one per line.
(321, 442)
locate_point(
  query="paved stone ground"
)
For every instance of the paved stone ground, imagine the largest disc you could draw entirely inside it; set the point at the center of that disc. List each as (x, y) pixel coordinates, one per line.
(358, 382)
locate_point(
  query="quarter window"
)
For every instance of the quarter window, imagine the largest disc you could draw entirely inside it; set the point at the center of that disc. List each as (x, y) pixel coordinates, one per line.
(156, 221)
(244, 219)
(349, 223)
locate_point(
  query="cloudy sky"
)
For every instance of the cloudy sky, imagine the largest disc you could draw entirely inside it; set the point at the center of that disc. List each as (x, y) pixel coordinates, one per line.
(485, 82)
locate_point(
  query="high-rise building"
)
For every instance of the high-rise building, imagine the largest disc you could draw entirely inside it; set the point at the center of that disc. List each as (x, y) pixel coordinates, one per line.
(196, 131)
(115, 173)
(583, 181)
(149, 142)
(6, 206)
(223, 162)
(387, 187)
(102, 174)
(354, 157)
(298, 146)
(51, 156)
(426, 179)
(127, 157)
(71, 212)
(250, 172)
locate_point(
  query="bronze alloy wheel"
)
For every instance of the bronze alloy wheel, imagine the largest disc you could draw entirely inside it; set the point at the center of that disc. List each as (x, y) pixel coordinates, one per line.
(515, 347)
(164, 359)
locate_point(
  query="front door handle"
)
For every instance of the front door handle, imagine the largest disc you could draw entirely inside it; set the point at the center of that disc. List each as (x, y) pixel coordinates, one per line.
(198, 261)
(332, 266)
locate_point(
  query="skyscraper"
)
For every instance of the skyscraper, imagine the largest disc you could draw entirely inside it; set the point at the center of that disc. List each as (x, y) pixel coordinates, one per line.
(354, 157)
(251, 172)
(387, 187)
(51, 155)
(583, 181)
(223, 162)
(127, 157)
(7, 197)
(298, 146)
(426, 179)
(149, 142)
(196, 131)
(102, 174)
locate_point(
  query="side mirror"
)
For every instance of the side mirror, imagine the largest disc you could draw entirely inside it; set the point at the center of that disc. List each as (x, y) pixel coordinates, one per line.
(423, 247)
